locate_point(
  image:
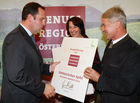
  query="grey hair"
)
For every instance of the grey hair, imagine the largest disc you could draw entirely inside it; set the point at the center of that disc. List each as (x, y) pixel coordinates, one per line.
(115, 13)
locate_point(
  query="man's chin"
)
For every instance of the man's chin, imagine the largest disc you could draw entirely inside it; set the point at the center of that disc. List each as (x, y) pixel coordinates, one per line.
(108, 38)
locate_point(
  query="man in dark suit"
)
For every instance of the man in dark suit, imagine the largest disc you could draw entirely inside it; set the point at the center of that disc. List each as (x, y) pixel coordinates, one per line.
(22, 61)
(120, 76)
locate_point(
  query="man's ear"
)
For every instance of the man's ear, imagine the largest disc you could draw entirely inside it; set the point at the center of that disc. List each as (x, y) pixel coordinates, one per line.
(30, 17)
(118, 23)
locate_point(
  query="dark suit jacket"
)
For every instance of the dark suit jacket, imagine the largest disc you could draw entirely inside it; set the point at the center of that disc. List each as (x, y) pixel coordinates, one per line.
(120, 75)
(22, 69)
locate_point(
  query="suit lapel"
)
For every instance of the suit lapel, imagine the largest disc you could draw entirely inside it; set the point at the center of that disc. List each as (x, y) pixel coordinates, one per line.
(115, 45)
(29, 40)
(118, 43)
(121, 41)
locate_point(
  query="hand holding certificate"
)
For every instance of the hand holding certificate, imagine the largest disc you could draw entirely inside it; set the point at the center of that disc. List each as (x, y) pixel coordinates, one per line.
(75, 55)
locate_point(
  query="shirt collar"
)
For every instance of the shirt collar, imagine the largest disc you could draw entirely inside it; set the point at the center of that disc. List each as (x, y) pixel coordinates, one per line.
(115, 41)
(28, 31)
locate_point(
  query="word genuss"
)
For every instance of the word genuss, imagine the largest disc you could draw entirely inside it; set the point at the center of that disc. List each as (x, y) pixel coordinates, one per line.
(55, 30)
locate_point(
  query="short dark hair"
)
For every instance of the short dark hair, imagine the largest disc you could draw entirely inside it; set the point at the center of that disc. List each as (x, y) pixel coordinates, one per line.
(77, 22)
(31, 8)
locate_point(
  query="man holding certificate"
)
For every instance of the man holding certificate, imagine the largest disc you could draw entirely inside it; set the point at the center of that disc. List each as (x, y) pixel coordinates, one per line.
(119, 80)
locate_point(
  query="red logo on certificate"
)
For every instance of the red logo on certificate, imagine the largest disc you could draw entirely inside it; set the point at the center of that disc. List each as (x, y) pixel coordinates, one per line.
(73, 60)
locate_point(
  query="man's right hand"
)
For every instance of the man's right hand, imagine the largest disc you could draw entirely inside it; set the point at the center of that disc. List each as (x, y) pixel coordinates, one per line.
(49, 91)
(91, 74)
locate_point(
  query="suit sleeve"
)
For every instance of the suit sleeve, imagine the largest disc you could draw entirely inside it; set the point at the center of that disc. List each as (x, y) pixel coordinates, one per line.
(46, 69)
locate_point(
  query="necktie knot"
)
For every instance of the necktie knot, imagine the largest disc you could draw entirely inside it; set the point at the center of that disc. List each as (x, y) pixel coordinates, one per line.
(111, 44)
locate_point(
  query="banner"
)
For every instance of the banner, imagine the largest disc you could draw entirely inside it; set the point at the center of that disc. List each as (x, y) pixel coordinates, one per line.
(55, 29)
